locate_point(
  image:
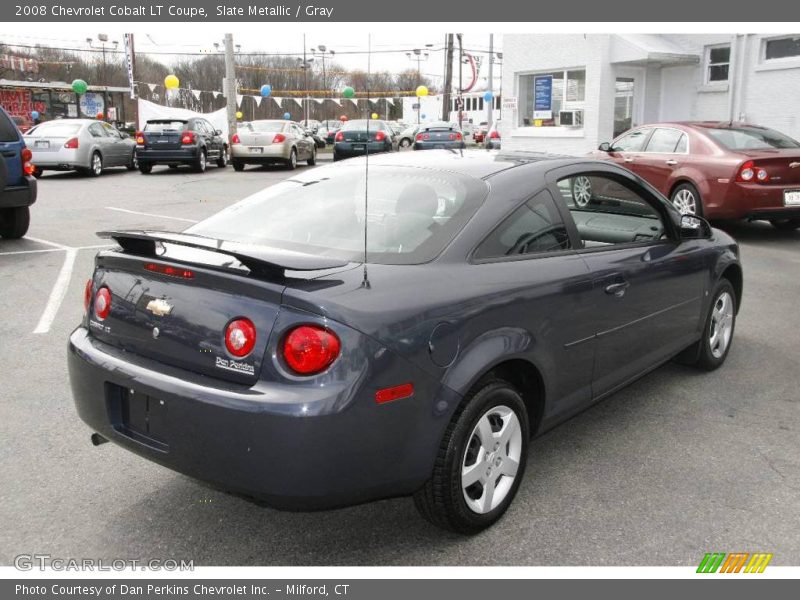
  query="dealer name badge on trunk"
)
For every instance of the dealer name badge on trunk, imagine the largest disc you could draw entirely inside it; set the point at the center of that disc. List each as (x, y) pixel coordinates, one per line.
(159, 307)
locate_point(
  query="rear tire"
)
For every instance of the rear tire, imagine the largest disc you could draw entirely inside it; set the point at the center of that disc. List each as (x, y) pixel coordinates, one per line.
(222, 161)
(480, 463)
(95, 165)
(38, 172)
(173, 166)
(201, 162)
(686, 199)
(14, 222)
(313, 160)
(238, 166)
(786, 224)
(291, 164)
(145, 168)
(405, 143)
(134, 164)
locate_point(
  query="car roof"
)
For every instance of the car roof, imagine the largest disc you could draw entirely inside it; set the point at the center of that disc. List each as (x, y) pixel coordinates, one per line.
(479, 164)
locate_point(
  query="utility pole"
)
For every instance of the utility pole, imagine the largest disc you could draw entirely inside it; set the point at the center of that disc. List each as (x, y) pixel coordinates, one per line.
(448, 76)
(230, 84)
(490, 87)
(460, 103)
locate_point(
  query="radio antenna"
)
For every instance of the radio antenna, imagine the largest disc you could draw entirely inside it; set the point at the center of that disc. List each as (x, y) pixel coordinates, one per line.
(365, 282)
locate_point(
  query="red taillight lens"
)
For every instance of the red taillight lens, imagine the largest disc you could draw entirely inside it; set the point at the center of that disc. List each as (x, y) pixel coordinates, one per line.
(419, 137)
(380, 136)
(494, 135)
(102, 303)
(168, 270)
(279, 137)
(87, 296)
(235, 139)
(339, 137)
(26, 154)
(140, 138)
(309, 349)
(71, 143)
(458, 137)
(28, 168)
(750, 172)
(187, 138)
(240, 337)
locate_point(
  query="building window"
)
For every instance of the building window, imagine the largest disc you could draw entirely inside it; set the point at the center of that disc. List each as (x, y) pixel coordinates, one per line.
(568, 92)
(718, 62)
(786, 47)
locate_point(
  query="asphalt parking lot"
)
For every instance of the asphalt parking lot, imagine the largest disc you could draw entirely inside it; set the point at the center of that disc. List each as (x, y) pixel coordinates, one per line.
(679, 464)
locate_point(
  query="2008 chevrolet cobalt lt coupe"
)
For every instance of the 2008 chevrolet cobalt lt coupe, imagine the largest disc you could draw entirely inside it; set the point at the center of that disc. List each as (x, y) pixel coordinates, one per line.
(259, 350)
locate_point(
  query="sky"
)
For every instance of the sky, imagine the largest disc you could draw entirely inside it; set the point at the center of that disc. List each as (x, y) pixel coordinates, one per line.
(389, 44)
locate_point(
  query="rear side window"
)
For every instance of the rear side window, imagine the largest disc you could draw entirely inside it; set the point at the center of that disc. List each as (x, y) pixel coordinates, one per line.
(666, 141)
(56, 129)
(751, 138)
(535, 227)
(96, 130)
(8, 131)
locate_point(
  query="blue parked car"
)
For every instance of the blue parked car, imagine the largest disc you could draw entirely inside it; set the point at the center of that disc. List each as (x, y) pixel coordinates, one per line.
(17, 184)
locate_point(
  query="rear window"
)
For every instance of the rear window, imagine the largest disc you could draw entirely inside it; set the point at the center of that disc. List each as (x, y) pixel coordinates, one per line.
(159, 126)
(362, 124)
(56, 129)
(264, 126)
(8, 131)
(440, 125)
(751, 138)
(412, 214)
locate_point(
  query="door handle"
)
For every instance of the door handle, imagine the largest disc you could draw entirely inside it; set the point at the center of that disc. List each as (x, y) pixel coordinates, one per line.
(628, 160)
(617, 289)
(672, 162)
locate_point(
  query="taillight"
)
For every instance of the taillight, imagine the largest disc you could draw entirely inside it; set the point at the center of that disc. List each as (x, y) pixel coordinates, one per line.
(279, 137)
(187, 138)
(380, 136)
(140, 138)
(71, 143)
(419, 137)
(309, 349)
(168, 270)
(494, 135)
(240, 337)
(87, 296)
(235, 139)
(339, 137)
(458, 137)
(749, 172)
(102, 303)
(28, 168)
(26, 154)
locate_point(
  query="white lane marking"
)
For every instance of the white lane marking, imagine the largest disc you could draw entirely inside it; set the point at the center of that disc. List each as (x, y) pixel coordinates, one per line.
(58, 292)
(31, 251)
(144, 214)
(46, 243)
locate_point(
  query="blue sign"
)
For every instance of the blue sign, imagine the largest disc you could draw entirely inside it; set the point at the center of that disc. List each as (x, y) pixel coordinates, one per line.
(543, 97)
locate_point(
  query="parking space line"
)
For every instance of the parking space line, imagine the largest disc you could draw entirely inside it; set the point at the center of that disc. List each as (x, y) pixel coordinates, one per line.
(46, 243)
(58, 292)
(144, 214)
(39, 251)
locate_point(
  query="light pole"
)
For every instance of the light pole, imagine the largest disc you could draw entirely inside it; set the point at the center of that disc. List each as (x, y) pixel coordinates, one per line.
(500, 62)
(305, 64)
(103, 39)
(418, 55)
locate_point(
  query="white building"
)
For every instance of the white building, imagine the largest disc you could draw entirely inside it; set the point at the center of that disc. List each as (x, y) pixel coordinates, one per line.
(618, 81)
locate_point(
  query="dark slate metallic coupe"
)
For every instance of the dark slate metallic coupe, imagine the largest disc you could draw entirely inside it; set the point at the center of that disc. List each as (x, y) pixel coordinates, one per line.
(258, 351)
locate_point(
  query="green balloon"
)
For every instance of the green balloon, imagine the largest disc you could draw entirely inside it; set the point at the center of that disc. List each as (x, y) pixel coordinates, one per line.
(79, 86)
(348, 92)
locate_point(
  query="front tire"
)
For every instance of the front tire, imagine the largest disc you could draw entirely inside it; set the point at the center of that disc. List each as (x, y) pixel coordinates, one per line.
(687, 200)
(480, 462)
(785, 224)
(14, 222)
(313, 160)
(291, 164)
(201, 162)
(712, 349)
(222, 161)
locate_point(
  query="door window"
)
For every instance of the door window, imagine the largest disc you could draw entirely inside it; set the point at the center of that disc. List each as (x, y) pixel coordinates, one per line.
(666, 141)
(533, 228)
(96, 130)
(632, 142)
(607, 211)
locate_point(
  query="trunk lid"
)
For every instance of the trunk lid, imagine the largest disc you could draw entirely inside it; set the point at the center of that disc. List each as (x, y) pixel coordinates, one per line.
(256, 138)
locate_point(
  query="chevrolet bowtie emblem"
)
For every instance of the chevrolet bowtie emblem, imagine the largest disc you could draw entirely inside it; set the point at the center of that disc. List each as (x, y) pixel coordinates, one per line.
(794, 165)
(159, 307)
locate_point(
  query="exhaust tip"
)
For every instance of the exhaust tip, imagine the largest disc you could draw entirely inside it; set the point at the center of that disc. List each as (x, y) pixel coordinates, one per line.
(98, 439)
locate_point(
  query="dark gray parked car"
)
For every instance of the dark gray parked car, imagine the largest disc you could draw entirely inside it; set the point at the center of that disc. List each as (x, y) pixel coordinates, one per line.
(256, 351)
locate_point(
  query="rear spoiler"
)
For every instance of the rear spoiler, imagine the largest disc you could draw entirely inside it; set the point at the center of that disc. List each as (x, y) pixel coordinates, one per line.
(260, 260)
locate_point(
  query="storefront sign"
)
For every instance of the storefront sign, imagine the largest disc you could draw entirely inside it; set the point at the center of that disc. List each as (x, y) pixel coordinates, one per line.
(509, 103)
(92, 104)
(16, 102)
(543, 97)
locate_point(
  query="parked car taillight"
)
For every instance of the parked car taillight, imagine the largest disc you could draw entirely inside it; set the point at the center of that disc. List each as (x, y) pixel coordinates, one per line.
(750, 172)
(339, 137)
(71, 143)
(494, 135)
(279, 137)
(309, 349)
(240, 337)
(140, 138)
(380, 136)
(102, 303)
(187, 138)
(27, 167)
(235, 139)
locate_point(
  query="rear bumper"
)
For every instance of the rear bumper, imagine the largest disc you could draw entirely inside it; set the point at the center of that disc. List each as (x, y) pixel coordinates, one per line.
(270, 153)
(439, 145)
(63, 159)
(345, 149)
(256, 440)
(753, 201)
(177, 156)
(19, 195)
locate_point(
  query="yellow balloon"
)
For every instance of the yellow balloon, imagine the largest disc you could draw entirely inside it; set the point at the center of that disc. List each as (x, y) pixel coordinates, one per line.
(239, 114)
(374, 115)
(422, 91)
(171, 82)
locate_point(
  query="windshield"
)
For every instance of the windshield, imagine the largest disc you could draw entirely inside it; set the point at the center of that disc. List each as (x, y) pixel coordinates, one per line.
(56, 129)
(751, 138)
(413, 214)
(264, 126)
(159, 126)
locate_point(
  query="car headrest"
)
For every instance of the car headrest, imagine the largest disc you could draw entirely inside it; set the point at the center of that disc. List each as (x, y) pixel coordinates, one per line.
(418, 198)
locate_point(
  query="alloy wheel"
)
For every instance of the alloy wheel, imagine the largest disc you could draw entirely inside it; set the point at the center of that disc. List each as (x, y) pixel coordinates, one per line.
(491, 459)
(685, 201)
(582, 191)
(721, 328)
(97, 164)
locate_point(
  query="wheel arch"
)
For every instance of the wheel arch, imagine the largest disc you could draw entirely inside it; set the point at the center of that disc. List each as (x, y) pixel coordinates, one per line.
(733, 273)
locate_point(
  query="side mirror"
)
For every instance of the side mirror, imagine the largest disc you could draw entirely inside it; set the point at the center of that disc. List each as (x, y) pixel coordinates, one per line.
(218, 132)
(694, 227)
(604, 147)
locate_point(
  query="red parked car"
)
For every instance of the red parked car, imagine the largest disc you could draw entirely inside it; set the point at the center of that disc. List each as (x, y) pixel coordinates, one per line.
(716, 170)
